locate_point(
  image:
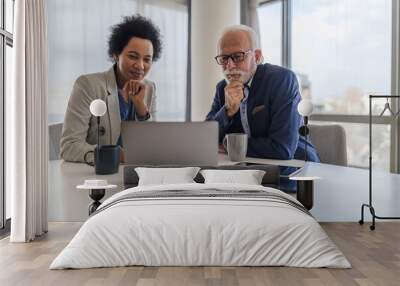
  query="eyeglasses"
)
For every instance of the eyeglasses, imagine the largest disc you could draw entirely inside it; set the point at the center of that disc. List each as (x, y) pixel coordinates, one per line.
(235, 57)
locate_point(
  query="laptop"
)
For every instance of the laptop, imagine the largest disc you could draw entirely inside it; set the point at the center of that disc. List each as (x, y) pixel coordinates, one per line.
(170, 143)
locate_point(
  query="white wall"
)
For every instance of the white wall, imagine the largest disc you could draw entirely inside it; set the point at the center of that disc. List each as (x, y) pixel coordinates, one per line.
(209, 18)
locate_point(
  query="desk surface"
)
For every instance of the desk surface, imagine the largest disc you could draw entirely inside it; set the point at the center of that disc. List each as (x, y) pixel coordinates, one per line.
(224, 160)
(338, 194)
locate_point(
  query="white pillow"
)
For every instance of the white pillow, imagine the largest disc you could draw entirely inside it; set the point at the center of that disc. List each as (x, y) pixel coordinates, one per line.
(248, 177)
(163, 176)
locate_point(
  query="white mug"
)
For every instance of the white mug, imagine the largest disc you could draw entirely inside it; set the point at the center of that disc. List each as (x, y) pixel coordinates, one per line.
(236, 146)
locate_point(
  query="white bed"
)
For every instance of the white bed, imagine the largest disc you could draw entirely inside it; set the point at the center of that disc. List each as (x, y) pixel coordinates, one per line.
(185, 230)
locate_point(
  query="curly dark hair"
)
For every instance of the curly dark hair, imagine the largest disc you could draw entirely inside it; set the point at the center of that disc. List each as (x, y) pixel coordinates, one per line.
(134, 26)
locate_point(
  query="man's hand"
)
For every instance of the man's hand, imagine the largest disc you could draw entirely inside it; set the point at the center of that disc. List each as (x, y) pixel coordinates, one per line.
(135, 90)
(233, 97)
(221, 149)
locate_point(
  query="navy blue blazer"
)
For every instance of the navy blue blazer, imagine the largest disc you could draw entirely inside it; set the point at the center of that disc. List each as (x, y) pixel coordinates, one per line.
(272, 115)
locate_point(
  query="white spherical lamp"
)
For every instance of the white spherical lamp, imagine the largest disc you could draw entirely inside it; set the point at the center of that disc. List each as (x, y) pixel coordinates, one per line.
(305, 107)
(98, 107)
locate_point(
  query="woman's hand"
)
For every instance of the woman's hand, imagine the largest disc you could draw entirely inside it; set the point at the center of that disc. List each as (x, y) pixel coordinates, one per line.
(121, 155)
(135, 90)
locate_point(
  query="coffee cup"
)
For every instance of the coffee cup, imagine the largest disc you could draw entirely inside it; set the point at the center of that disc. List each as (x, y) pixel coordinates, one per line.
(106, 159)
(236, 146)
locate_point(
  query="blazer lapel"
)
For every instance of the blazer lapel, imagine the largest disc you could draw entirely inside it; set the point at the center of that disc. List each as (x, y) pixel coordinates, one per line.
(113, 106)
(253, 94)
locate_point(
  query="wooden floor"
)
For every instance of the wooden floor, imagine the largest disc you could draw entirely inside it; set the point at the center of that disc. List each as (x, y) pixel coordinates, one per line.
(374, 255)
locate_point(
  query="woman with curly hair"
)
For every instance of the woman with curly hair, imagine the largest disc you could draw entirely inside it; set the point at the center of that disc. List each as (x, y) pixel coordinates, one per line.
(133, 46)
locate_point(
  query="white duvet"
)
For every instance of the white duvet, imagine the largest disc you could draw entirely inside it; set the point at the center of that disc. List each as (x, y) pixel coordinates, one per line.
(200, 231)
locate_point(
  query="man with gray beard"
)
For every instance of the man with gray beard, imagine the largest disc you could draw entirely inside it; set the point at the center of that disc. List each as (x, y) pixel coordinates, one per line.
(257, 99)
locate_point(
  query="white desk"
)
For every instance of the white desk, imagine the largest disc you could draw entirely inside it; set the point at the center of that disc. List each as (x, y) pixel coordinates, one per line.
(224, 160)
(65, 202)
(341, 191)
(338, 195)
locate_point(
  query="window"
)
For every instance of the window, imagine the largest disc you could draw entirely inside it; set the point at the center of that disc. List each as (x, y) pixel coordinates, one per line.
(270, 19)
(2, 137)
(169, 72)
(9, 15)
(343, 48)
(6, 43)
(77, 43)
(341, 51)
(8, 80)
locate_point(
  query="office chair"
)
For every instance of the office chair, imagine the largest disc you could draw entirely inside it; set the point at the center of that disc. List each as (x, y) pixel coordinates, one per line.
(54, 140)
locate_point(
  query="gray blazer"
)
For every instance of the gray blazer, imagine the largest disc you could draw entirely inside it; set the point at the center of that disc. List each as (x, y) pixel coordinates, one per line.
(79, 133)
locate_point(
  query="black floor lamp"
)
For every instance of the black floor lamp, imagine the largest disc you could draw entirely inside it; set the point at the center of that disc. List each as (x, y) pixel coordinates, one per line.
(305, 185)
(305, 109)
(370, 205)
(98, 108)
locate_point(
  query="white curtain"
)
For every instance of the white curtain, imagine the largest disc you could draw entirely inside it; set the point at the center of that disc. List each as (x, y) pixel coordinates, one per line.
(27, 142)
